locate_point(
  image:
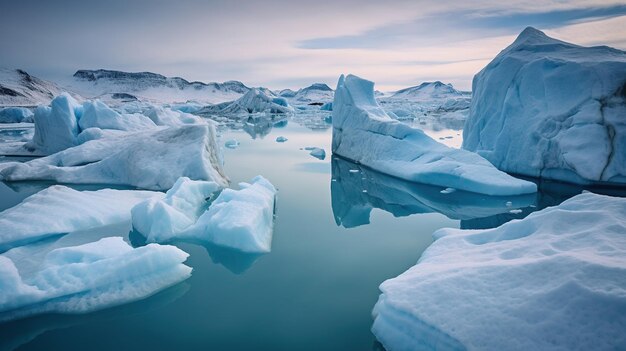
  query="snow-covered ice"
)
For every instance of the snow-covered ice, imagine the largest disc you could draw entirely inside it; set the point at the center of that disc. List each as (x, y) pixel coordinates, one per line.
(550, 109)
(59, 210)
(153, 159)
(88, 277)
(97, 114)
(364, 133)
(56, 127)
(551, 281)
(237, 219)
(162, 219)
(254, 101)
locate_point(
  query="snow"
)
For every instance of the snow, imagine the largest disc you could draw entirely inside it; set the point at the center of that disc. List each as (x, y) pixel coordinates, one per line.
(18, 88)
(550, 109)
(161, 219)
(552, 281)
(59, 210)
(364, 133)
(16, 115)
(238, 219)
(97, 114)
(153, 159)
(56, 127)
(89, 277)
(254, 101)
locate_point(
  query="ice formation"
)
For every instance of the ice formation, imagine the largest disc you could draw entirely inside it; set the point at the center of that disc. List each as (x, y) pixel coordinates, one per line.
(281, 139)
(89, 277)
(316, 152)
(59, 210)
(231, 143)
(162, 116)
(16, 115)
(364, 133)
(551, 109)
(552, 281)
(254, 101)
(56, 127)
(161, 219)
(153, 159)
(237, 219)
(97, 114)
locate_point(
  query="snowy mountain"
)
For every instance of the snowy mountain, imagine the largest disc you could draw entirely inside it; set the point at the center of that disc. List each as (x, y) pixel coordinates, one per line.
(428, 91)
(317, 93)
(152, 86)
(18, 88)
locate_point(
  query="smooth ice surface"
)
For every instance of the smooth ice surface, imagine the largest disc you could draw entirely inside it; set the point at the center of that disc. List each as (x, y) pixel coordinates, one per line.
(89, 277)
(550, 109)
(59, 210)
(551, 281)
(16, 115)
(364, 133)
(154, 160)
(161, 219)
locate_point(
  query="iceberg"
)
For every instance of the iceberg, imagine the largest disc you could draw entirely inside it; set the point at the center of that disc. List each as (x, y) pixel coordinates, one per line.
(237, 219)
(161, 219)
(153, 160)
(88, 277)
(16, 115)
(364, 133)
(97, 114)
(551, 281)
(316, 152)
(550, 109)
(281, 139)
(254, 101)
(59, 210)
(56, 127)
(167, 117)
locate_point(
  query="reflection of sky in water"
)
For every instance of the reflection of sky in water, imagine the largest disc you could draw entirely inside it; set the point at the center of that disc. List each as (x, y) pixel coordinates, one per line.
(334, 243)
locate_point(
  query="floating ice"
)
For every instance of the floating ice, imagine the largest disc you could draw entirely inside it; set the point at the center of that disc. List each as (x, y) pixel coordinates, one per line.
(153, 159)
(254, 101)
(161, 219)
(89, 277)
(231, 144)
(551, 281)
(327, 106)
(59, 210)
(281, 139)
(237, 219)
(56, 127)
(97, 114)
(448, 191)
(551, 109)
(16, 115)
(317, 152)
(364, 133)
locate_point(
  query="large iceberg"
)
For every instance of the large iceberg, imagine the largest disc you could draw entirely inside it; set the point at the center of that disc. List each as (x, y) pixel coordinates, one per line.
(550, 109)
(59, 210)
(153, 159)
(16, 115)
(56, 127)
(552, 281)
(364, 133)
(237, 219)
(88, 277)
(97, 114)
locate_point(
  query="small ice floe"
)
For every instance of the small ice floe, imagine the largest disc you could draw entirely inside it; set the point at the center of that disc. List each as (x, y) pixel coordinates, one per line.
(509, 204)
(516, 211)
(448, 191)
(281, 139)
(231, 144)
(316, 152)
(354, 171)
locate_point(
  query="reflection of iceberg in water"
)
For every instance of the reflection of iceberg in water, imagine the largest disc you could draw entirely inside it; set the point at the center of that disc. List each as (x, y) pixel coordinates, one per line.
(260, 126)
(549, 193)
(20, 332)
(357, 190)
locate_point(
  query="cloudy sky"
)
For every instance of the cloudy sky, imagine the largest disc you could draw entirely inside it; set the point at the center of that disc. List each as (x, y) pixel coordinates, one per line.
(289, 44)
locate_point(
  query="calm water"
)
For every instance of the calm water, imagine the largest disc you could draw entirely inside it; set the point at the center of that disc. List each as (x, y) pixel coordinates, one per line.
(339, 232)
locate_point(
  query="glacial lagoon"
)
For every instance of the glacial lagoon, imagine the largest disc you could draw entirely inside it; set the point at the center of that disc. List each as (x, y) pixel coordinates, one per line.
(340, 230)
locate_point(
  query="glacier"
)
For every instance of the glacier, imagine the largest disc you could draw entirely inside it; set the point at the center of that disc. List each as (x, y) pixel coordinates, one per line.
(364, 133)
(551, 281)
(152, 159)
(550, 109)
(59, 210)
(89, 277)
(237, 219)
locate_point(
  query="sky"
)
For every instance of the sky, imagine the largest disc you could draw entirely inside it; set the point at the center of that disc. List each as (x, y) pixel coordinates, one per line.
(290, 44)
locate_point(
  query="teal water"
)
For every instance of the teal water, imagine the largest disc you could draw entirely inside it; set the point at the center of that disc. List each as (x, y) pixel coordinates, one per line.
(340, 231)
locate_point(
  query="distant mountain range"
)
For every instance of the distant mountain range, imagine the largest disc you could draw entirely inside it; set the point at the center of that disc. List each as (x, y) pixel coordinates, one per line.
(18, 88)
(429, 91)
